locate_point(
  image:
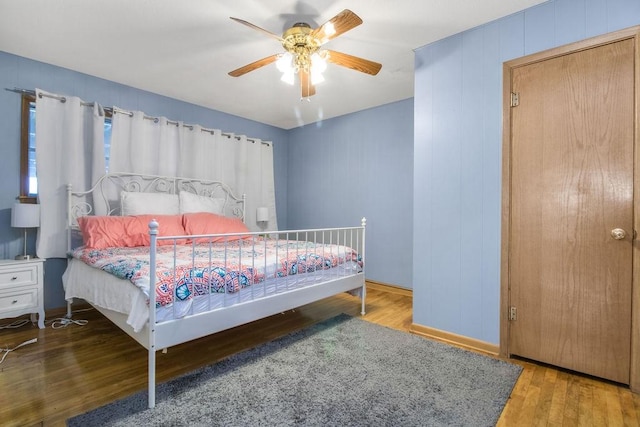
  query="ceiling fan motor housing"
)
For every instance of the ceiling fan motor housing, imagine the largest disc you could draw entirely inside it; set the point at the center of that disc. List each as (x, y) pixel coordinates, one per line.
(299, 42)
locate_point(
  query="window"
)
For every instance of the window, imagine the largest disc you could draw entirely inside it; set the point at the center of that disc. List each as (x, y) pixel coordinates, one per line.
(28, 179)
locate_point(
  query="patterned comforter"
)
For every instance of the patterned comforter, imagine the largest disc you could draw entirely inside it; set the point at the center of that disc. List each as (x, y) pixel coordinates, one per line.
(227, 267)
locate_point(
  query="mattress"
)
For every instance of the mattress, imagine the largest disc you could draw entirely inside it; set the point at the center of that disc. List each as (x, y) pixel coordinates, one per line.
(127, 290)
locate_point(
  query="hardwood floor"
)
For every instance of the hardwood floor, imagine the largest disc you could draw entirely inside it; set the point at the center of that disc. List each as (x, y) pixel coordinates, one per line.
(78, 368)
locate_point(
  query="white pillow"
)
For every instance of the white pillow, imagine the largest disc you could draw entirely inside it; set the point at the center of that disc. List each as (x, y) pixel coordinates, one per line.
(191, 203)
(138, 203)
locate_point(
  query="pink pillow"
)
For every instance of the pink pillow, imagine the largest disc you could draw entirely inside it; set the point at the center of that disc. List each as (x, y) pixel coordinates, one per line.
(128, 231)
(210, 223)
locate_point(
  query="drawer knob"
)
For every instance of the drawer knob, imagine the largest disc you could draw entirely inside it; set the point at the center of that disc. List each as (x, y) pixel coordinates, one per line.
(14, 301)
(14, 278)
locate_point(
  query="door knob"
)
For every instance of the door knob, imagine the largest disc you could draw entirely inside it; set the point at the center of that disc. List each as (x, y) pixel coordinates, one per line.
(618, 233)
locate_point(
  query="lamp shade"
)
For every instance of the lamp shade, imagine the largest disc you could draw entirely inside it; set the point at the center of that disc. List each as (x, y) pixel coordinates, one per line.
(25, 215)
(262, 215)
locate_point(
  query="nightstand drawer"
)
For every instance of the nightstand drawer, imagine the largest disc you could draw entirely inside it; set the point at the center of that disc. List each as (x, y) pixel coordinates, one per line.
(18, 275)
(20, 299)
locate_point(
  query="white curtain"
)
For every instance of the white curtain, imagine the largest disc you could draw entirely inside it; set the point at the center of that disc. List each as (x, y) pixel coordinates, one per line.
(267, 183)
(158, 146)
(203, 155)
(69, 150)
(143, 145)
(254, 177)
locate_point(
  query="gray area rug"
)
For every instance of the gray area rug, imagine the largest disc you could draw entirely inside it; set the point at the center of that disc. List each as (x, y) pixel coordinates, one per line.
(341, 372)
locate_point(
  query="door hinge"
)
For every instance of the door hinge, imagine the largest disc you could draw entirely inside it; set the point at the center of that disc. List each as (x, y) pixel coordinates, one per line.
(512, 313)
(515, 99)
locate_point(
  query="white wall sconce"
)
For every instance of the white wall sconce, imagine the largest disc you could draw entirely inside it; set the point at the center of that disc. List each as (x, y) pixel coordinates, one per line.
(25, 215)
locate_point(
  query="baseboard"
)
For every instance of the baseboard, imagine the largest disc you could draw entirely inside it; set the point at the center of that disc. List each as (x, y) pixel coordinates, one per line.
(448, 337)
(384, 287)
(459, 340)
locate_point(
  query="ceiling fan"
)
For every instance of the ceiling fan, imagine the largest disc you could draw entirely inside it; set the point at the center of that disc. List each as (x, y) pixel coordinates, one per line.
(303, 54)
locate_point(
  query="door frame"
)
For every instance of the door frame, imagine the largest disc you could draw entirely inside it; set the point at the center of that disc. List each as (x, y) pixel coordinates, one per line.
(629, 33)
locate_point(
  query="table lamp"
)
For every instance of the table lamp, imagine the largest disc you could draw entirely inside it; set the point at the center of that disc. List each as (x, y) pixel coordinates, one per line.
(262, 217)
(25, 215)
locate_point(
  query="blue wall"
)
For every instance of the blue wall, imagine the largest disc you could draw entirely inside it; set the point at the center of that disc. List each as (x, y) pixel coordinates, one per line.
(23, 73)
(457, 157)
(353, 166)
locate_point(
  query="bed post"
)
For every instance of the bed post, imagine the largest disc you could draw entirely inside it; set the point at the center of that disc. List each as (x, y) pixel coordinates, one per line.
(364, 281)
(153, 234)
(69, 225)
(69, 218)
(244, 208)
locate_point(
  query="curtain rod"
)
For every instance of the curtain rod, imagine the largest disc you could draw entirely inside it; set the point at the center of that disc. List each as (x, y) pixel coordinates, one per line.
(58, 97)
(129, 113)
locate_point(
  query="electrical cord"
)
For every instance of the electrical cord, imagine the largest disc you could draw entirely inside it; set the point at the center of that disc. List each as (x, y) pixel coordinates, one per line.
(63, 322)
(60, 322)
(9, 350)
(83, 309)
(15, 324)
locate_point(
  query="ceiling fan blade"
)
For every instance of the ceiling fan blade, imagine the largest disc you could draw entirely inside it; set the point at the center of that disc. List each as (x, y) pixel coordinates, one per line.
(305, 83)
(353, 62)
(255, 27)
(339, 24)
(254, 65)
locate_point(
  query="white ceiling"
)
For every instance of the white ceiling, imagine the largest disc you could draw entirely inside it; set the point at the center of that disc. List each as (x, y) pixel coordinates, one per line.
(184, 49)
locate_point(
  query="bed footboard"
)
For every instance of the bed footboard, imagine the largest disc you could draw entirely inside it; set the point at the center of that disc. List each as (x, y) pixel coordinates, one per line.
(261, 275)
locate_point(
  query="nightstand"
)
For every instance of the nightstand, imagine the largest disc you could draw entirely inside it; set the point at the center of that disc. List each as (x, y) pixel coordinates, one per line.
(21, 289)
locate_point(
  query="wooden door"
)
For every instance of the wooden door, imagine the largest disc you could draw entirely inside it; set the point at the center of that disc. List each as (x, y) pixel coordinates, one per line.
(571, 184)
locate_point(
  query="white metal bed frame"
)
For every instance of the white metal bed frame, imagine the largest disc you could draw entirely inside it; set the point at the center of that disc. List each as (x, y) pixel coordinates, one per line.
(155, 336)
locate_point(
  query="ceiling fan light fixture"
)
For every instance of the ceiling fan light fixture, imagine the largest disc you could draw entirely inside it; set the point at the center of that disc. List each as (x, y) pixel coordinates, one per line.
(288, 76)
(318, 66)
(316, 78)
(318, 63)
(329, 29)
(284, 63)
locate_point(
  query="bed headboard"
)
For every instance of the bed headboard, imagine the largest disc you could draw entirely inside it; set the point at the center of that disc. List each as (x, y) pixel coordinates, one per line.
(104, 198)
